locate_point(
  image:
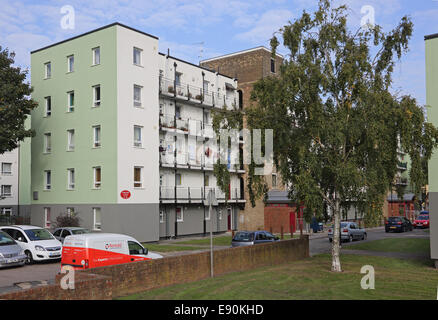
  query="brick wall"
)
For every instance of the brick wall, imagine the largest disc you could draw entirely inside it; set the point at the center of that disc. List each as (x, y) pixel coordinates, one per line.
(87, 287)
(277, 217)
(124, 279)
(248, 68)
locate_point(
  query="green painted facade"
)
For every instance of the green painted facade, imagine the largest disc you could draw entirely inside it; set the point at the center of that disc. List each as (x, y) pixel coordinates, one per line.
(432, 103)
(82, 119)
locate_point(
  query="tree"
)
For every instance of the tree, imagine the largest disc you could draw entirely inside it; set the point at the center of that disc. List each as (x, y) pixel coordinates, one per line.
(336, 123)
(15, 103)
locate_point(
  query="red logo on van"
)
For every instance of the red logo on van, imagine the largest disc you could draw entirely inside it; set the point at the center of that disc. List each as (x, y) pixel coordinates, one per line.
(125, 194)
(113, 246)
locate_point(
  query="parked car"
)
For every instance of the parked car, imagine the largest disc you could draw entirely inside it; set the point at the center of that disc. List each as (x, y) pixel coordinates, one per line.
(61, 233)
(11, 254)
(399, 224)
(38, 243)
(248, 238)
(91, 250)
(422, 221)
(349, 231)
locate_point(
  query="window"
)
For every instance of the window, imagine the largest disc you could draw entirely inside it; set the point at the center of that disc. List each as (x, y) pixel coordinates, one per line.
(274, 180)
(206, 83)
(96, 136)
(48, 70)
(178, 112)
(6, 168)
(161, 109)
(70, 140)
(6, 211)
(207, 181)
(96, 56)
(137, 95)
(96, 96)
(47, 142)
(70, 101)
(272, 65)
(71, 179)
(179, 214)
(137, 136)
(220, 214)
(97, 177)
(178, 179)
(161, 216)
(70, 212)
(178, 78)
(6, 190)
(47, 179)
(47, 222)
(135, 248)
(137, 56)
(70, 63)
(138, 177)
(207, 214)
(97, 217)
(48, 106)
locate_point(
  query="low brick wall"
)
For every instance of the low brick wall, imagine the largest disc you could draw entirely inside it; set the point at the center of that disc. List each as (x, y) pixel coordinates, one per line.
(140, 276)
(87, 287)
(124, 279)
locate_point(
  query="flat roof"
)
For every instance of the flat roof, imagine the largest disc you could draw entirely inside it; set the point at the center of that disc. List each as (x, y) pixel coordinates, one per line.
(239, 52)
(95, 30)
(431, 36)
(201, 67)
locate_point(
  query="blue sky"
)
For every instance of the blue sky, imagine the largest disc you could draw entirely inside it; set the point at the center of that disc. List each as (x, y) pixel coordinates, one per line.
(223, 26)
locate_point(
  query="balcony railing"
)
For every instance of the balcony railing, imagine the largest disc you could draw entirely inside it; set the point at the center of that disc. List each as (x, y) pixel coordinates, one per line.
(196, 94)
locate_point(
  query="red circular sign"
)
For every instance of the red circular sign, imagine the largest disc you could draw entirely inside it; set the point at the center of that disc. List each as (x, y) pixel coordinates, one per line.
(125, 194)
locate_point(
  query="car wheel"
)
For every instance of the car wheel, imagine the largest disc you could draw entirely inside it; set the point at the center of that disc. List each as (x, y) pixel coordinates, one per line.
(350, 239)
(364, 236)
(29, 259)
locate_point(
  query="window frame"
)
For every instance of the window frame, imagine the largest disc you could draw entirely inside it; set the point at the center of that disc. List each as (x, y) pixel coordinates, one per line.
(47, 217)
(71, 184)
(3, 194)
(48, 106)
(47, 142)
(70, 101)
(181, 219)
(70, 139)
(70, 63)
(6, 173)
(96, 103)
(97, 143)
(97, 184)
(137, 103)
(95, 223)
(140, 182)
(138, 143)
(140, 56)
(47, 174)
(48, 70)
(94, 56)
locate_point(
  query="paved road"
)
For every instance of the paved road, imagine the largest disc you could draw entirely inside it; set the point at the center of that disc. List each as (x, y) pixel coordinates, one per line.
(10, 277)
(322, 245)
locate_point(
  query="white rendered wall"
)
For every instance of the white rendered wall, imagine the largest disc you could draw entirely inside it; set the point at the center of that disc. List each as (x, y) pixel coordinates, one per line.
(12, 180)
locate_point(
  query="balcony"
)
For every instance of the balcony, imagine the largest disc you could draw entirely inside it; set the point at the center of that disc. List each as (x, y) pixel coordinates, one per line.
(402, 165)
(195, 95)
(401, 181)
(183, 194)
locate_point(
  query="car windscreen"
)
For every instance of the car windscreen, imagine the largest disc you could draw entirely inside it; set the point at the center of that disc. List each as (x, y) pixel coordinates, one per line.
(5, 239)
(38, 234)
(392, 219)
(343, 225)
(244, 236)
(423, 218)
(80, 231)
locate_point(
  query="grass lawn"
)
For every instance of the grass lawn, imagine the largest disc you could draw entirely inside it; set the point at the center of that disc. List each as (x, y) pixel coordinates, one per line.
(168, 248)
(217, 241)
(311, 279)
(410, 245)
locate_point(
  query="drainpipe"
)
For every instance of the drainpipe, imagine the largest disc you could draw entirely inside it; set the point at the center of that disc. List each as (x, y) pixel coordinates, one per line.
(174, 150)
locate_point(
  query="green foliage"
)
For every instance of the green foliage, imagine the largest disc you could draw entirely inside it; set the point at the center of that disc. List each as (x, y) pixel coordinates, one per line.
(15, 103)
(67, 220)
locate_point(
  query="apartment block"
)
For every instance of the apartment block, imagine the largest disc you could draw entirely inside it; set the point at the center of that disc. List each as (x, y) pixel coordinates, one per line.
(248, 67)
(431, 43)
(123, 137)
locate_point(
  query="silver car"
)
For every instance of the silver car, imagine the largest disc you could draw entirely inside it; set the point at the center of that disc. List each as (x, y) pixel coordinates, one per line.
(349, 231)
(61, 233)
(11, 254)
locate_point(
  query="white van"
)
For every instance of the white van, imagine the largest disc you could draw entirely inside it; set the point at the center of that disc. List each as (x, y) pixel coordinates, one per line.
(38, 243)
(91, 250)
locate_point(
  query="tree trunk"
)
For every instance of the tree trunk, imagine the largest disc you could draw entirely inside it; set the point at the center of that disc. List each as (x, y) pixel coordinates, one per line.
(336, 262)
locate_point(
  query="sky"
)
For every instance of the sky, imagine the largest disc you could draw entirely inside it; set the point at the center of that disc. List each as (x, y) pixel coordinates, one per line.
(200, 29)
